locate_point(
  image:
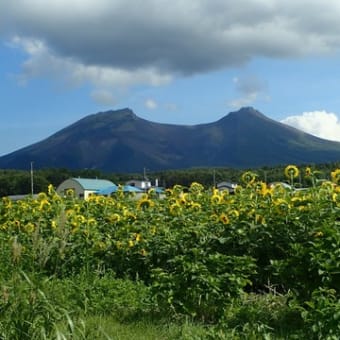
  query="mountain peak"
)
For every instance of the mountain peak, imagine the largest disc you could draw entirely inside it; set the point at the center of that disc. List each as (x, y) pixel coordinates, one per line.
(120, 141)
(248, 110)
(118, 114)
(244, 113)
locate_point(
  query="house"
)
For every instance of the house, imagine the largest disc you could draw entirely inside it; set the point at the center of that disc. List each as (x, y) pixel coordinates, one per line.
(108, 191)
(141, 184)
(83, 187)
(226, 186)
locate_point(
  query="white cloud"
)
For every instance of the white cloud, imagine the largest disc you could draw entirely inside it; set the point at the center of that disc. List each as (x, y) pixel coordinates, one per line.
(250, 88)
(151, 104)
(322, 124)
(246, 100)
(42, 61)
(103, 97)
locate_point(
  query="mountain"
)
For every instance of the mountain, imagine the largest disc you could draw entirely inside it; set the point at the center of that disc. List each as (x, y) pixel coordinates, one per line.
(120, 141)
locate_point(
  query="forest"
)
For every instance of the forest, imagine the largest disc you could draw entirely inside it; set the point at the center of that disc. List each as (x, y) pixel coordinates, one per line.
(18, 182)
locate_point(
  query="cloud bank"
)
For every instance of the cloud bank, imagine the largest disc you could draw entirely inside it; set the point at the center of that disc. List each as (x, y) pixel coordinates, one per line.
(322, 124)
(249, 89)
(113, 43)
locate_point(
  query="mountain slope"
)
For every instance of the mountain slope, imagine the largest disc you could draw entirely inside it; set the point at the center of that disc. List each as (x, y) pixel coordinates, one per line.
(121, 141)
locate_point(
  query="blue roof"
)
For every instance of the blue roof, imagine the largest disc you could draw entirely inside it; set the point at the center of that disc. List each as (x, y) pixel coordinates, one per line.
(114, 188)
(108, 190)
(130, 188)
(93, 183)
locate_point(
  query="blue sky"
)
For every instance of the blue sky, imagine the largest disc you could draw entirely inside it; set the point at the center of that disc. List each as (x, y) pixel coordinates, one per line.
(182, 62)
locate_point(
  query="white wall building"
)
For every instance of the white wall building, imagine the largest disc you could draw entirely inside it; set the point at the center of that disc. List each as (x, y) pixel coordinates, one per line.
(83, 187)
(141, 184)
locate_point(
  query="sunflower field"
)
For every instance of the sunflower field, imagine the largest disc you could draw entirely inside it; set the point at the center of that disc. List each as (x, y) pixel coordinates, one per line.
(194, 251)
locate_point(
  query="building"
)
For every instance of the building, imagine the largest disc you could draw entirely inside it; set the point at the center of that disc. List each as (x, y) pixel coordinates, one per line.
(83, 187)
(226, 186)
(141, 184)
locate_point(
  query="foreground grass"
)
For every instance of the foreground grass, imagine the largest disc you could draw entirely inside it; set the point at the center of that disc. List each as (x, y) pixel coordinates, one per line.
(108, 327)
(104, 307)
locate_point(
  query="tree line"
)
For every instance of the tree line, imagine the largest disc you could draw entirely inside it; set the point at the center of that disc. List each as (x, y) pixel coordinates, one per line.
(13, 182)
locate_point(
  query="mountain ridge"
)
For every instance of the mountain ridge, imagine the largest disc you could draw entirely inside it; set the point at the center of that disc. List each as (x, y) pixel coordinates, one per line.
(121, 141)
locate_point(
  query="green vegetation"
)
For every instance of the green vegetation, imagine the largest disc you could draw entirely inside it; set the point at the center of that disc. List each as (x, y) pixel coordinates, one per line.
(19, 181)
(262, 263)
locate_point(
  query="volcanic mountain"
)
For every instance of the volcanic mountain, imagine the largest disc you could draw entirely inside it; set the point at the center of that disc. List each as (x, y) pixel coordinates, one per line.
(120, 141)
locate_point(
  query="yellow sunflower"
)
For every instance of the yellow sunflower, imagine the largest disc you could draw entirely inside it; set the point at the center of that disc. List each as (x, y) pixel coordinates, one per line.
(175, 208)
(291, 171)
(114, 218)
(248, 177)
(281, 206)
(261, 188)
(224, 218)
(216, 198)
(335, 176)
(233, 213)
(195, 206)
(196, 187)
(145, 203)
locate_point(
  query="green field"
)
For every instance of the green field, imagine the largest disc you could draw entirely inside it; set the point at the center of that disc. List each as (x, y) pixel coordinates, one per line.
(263, 263)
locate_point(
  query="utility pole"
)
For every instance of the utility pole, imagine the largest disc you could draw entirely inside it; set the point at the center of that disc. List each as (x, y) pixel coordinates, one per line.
(144, 174)
(32, 185)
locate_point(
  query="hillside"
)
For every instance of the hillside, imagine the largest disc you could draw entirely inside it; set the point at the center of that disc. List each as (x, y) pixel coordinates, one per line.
(120, 141)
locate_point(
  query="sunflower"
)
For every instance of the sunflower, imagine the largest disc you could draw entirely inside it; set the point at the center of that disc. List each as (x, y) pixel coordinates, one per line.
(129, 215)
(195, 206)
(214, 218)
(168, 192)
(238, 189)
(138, 237)
(233, 213)
(70, 193)
(42, 196)
(318, 234)
(308, 171)
(259, 219)
(114, 218)
(196, 187)
(175, 208)
(50, 190)
(335, 176)
(281, 206)
(327, 185)
(145, 203)
(44, 203)
(248, 177)
(335, 197)
(261, 188)
(182, 199)
(216, 199)
(291, 171)
(224, 218)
